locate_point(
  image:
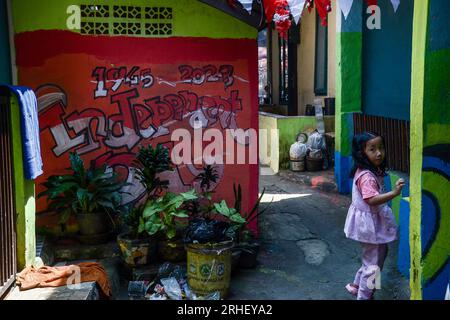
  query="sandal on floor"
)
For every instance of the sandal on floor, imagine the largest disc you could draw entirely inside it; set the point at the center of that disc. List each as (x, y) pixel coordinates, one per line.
(352, 288)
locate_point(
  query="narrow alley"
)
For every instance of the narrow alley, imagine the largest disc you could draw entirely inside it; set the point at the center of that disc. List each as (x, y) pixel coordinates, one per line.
(216, 150)
(304, 253)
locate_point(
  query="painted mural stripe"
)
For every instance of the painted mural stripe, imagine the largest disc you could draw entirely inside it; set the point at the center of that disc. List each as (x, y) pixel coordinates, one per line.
(191, 18)
(42, 44)
(420, 19)
(438, 253)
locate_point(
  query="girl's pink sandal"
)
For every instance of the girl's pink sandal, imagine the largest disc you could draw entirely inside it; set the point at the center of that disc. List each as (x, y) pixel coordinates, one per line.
(352, 288)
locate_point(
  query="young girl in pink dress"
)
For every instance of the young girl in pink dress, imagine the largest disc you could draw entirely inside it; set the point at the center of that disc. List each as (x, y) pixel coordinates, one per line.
(370, 220)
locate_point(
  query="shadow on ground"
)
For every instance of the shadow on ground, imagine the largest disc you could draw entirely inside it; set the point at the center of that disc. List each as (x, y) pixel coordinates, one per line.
(305, 254)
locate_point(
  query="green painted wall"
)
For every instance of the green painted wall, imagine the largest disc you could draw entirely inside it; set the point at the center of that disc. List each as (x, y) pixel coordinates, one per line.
(24, 196)
(430, 143)
(288, 129)
(348, 75)
(191, 17)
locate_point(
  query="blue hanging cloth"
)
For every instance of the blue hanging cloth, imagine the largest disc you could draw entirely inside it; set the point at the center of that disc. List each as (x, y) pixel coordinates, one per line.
(29, 125)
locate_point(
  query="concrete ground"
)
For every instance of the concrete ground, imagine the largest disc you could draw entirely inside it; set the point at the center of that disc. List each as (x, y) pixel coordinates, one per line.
(304, 253)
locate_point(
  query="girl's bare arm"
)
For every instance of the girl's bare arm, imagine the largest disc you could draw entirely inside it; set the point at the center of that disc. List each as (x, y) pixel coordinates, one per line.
(385, 197)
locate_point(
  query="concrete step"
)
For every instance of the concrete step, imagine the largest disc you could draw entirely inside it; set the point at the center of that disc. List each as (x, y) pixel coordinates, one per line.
(85, 291)
(76, 251)
(112, 267)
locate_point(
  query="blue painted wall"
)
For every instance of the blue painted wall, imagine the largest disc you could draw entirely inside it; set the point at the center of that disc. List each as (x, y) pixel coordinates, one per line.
(386, 70)
(5, 62)
(403, 256)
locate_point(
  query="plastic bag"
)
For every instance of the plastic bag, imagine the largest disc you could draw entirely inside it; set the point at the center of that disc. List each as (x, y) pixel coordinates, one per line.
(298, 151)
(172, 288)
(316, 141)
(315, 154)
(137, 290)
(157, 296)
(212, 296)
(203, 231)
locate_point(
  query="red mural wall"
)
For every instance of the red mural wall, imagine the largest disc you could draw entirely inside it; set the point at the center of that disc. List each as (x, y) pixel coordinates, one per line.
(106, 96)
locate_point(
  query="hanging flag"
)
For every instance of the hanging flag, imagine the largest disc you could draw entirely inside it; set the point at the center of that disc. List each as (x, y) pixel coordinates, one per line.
(296, 7)
(247, 4)
(323, 7)
(395, 4)
(269, 8)
(282, 18)
(346, 6)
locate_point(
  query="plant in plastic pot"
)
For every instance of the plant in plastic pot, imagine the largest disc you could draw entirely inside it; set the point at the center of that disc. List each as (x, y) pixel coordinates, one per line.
(167, 215)
(92, 195)
(245, 239)
(137, 245)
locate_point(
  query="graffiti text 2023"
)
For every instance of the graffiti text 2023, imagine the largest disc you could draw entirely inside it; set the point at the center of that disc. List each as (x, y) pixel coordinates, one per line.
(208, 73)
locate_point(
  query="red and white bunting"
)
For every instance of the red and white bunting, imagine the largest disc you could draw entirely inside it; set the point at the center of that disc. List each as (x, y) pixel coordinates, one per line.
(296, 7)
(346, 6)
(395, 4)
(247, 4)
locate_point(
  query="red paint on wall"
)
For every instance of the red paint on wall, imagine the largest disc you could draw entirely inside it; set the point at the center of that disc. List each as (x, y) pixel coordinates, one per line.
(105, 96)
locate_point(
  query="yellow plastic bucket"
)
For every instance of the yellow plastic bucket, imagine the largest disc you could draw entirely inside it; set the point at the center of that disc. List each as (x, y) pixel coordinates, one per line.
(209, 267)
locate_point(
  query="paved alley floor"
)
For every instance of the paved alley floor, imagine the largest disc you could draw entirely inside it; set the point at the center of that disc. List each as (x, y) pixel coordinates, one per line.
(304, 253)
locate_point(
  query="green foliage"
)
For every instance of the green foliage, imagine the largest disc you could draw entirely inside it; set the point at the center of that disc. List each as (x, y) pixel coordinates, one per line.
(84, 190)
(203, 206)
(160, 215)
(240, 229)
(149, 163)
(133, 217)
(207, 177)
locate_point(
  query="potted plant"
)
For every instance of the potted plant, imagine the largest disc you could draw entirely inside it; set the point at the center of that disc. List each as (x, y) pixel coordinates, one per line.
(91, 195)
(246, 245)
(168, 215)
(138, 244)
(149, 163)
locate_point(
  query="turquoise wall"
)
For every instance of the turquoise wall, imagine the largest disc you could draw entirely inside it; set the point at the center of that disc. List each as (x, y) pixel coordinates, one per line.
(386, 73)
(5, 62)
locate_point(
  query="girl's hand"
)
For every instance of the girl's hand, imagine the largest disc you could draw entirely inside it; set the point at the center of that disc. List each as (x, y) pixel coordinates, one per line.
(398, 186)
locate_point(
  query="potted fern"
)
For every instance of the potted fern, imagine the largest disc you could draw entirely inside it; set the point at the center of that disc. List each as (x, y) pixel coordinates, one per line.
(90, 194)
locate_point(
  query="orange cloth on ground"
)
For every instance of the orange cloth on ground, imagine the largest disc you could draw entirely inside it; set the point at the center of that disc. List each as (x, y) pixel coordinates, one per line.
(31, 277)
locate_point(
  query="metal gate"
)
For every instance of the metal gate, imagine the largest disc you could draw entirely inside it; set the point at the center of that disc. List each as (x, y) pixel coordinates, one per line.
(8, 256)
(396, 136)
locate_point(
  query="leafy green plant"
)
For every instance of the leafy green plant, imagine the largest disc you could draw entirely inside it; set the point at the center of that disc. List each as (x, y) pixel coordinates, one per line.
(149, 163)
(90, 190)
(207, 177)
(238, 222)
(132, 216)
(160, 215)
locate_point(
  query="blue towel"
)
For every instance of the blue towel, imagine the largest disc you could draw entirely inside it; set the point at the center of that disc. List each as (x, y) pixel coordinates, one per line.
(29, 124)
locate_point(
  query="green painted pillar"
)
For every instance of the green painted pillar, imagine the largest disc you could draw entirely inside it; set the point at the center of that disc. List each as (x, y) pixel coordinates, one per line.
(348, 88)
(24, 196)
(430, 150)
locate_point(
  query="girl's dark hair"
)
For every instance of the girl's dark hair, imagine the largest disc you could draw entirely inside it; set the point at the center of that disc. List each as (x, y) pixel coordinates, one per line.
(360, 160)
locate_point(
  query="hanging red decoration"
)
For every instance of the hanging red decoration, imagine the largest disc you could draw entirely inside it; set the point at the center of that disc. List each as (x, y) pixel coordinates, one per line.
(323, 7)
(269, 8)
(372, 2)
(279, 11)
(282, 17)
